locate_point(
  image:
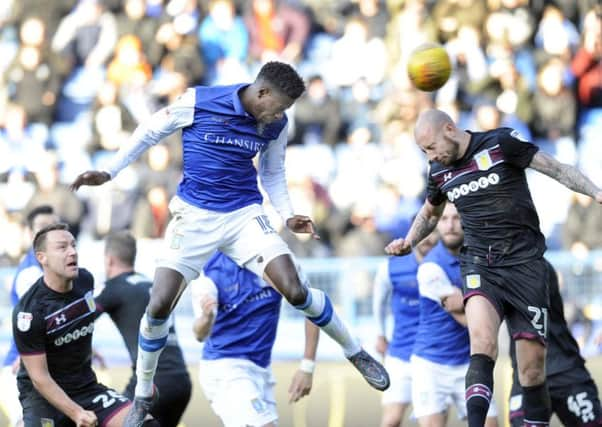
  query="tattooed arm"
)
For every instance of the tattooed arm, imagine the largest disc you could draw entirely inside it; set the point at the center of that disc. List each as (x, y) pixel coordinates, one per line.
(567, 175)
(425, 222)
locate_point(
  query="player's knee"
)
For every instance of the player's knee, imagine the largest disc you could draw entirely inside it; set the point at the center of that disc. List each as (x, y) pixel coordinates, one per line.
(159, 307)
(532, 373)
(296, 294)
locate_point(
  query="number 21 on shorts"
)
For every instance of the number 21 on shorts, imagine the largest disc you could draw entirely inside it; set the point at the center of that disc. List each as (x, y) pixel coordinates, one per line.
(539, 320)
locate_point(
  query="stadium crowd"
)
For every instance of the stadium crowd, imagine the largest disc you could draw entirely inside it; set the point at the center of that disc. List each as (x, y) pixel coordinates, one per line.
(78, 75)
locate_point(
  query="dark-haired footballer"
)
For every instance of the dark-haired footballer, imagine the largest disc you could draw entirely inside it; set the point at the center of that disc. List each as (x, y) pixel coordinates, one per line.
(28, 271)
(52, 327)
(218, 207)
(124, 298)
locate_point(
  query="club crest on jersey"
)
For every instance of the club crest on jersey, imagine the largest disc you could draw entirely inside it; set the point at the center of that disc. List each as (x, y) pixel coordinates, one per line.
(473, 281)
(90, 301)
(24, 321)
(483, 160)
(47, 422)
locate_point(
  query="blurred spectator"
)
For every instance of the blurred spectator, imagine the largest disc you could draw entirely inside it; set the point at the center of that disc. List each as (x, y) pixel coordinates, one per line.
(469, 67)
(410, 26)
(357, 105)
(21, 144)
(185, 15)
(317, 115)
(358, 164)
(184, 53)
(54, 193)
(134, 21)
(508, 31)
(85, 37)
(373, 13)
(223, 40)
(587, 63)
(9, 42)
(355, 56)
(507, 89)
(556, 36)
(582, 231)
(33, 79)
(12, 244)
(363, 238)
(276, 30)
(554, 104)
(129, 66)
(451, 15)
(111, 122)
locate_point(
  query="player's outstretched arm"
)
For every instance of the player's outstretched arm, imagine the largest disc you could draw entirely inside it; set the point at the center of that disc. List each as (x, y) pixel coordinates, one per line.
(158, 126)
(37, 368)
(303, 378)
(425, 222)
(567, 175)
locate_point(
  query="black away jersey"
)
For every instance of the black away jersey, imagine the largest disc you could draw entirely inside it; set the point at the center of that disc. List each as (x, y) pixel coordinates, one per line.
(125, 298)
(489, 188)
(59, 325)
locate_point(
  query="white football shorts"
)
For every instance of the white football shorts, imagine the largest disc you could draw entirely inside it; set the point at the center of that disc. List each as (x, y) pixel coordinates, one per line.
(241, 393)
(194, 234)
(400, 373)
(435, 387)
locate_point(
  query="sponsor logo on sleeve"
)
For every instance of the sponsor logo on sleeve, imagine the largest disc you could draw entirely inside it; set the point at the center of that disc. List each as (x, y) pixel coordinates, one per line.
(473, 281)
(24, 321)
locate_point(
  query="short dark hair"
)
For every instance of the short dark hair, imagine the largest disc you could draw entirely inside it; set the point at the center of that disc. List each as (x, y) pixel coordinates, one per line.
(122, 245)
(38, 210)
(283, 77)
(39, 241)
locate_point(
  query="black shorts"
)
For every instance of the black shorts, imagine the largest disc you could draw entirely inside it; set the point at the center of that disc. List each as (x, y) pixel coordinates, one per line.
(574, 398)
(519, 293)
(101, 400)
(175, 390)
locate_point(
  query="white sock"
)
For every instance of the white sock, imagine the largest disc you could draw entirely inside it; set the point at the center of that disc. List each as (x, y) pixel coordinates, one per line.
(319, 311)
(151, 341)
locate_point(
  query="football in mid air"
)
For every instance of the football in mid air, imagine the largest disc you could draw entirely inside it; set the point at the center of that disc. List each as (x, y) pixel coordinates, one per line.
(429, 67)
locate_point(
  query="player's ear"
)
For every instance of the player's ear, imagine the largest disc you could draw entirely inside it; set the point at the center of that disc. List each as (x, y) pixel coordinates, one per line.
(41, 257)
(263, 91)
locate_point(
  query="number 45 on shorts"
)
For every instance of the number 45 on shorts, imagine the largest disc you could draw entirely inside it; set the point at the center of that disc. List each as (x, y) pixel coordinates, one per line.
(581, 406)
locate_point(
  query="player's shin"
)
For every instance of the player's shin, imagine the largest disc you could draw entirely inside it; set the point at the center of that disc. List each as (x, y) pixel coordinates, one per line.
(151, 341)
(318, 309)
(479, 388)
(537, 405)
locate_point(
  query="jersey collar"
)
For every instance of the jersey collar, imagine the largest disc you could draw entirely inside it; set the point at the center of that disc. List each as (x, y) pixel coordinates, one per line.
(238, 107)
